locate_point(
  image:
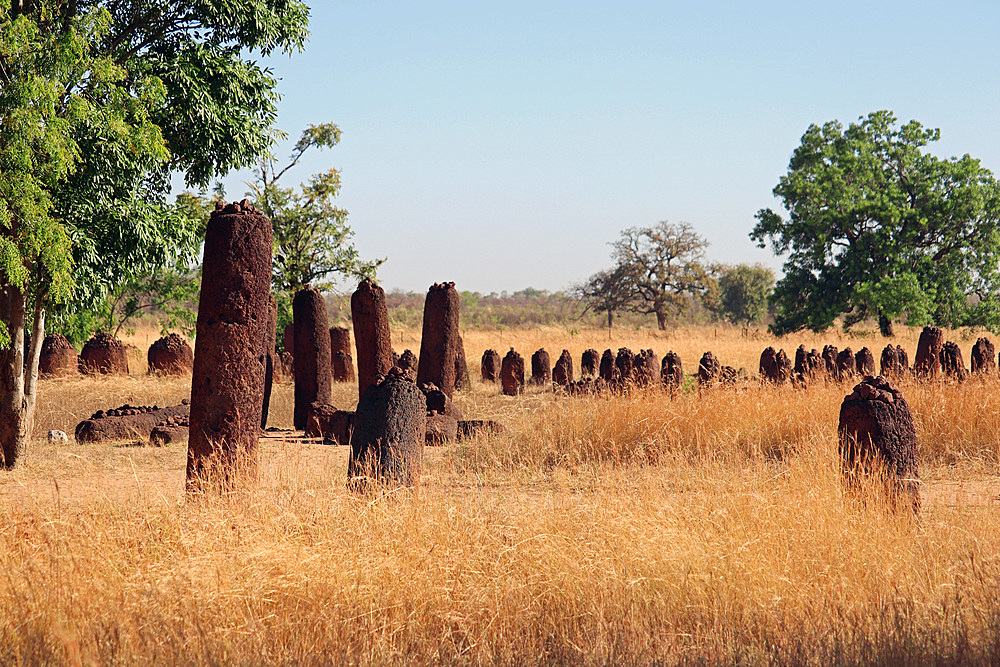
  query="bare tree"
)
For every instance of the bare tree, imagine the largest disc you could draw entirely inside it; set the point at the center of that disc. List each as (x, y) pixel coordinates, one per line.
(664, 265)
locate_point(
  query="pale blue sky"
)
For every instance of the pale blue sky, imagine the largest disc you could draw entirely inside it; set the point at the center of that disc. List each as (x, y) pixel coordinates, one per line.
(503, 145)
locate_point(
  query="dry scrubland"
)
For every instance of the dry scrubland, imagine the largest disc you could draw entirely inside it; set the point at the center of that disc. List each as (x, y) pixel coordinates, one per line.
(596, 530)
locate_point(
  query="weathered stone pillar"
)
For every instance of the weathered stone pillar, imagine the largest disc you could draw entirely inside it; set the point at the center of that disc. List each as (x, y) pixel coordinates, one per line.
(59, 358)
(227, 386)
(439, 338)
(952, 364)
(371, 333)
(541, 367)
(672, 372)
(877, 439)
(512, 373)
(927, 363)
(983, 357)
(607, 370)
(341, 359)
(170, 355)
(271, 361)
(490, 366)
(864, 362)
(590, 363)
(104, 354)
(845, 365)
(462, 381)
(312, 353)
(709, 370)
(562, 372)
(390, 426)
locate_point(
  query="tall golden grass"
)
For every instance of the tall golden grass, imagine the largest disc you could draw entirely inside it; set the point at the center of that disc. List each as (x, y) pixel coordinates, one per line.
(634, 529)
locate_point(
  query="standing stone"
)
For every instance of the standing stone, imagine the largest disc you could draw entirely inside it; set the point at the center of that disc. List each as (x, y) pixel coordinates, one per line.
(170, 355)
(952, 365)
(462, 381)
(845, 365)
(541, 368)
(341, 360)
(624, 362)
(271, 363)
(59, 358)
(646, 368)
(877, 437)
(390, 426)
(830, 360)
(608, 366)
(562, 373)
(227, 386)
(288, 339)
(512, 373)
(864, 362)
(408, 362)
(768, 366)
(490, 366)
(371, 333)
(927, 364)
(889, 363)
(104, 354)
(708, 370)
(312, 353)
(983, 358)
(784, 366)
(439, 339)
(672, 372)
(590, 363)
(904, 360)
(801, 366)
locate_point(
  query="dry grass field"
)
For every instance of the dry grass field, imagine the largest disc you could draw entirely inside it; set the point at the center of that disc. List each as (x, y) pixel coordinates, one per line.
(623, 530)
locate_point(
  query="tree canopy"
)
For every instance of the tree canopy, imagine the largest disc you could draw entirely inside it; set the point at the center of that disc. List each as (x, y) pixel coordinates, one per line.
(744, 291)
(879, 228)
(665, 266)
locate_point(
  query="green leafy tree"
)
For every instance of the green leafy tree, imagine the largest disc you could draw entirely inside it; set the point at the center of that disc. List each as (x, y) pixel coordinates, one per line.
(609, 292)
(879, 228)
(312, 240)
(99, 101)
(743, 292)
(665, 266)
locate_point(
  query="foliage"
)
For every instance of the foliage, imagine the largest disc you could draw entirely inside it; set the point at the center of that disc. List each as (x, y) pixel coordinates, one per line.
(743, 292)
(877, 227)
(609, 292)
(311, 235)
(665, 266)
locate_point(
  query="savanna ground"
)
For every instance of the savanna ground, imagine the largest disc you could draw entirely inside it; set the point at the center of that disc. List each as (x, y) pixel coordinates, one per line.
(626, 530)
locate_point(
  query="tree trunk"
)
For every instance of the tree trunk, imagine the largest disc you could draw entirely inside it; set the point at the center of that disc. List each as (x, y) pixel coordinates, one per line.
(13, 406)
(661, 320)
(611, 319)
(34, 358)
(885, 326)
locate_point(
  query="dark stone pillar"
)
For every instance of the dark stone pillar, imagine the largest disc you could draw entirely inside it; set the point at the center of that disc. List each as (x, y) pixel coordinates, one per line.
(371, 333)
(439, 338)
(312, 353)
(387, 443)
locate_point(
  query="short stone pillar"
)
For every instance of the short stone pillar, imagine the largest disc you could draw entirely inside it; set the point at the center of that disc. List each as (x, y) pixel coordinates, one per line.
(59, 358)
(864, 362)
(371, 333)
(341, 358)
(845, 365)
(984, 359)
(952, 364)
(590, 364)
(607, 370)
(104, 354)
(927, 363)
(709, 370)
(227, 385)
(490, 366)
(512, 373)
(312, 353)
(387, 443)
(646, 368)
(170, 355)
(541, 367)
(877, 440)
(623, 366)
(672, 372)
(830, 353)
(562, 372)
